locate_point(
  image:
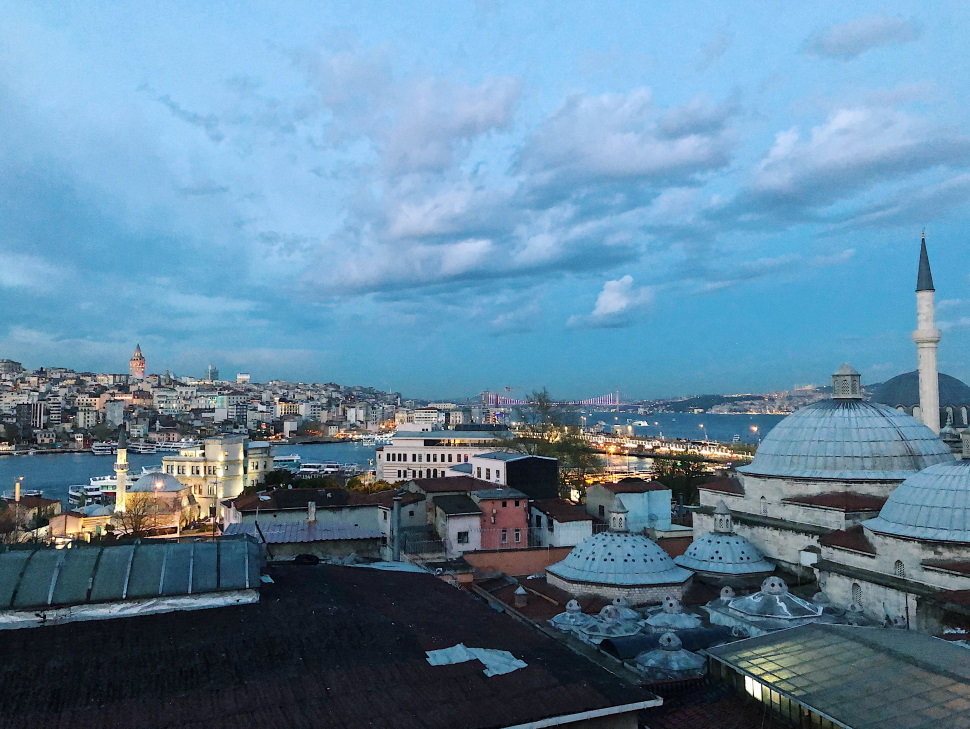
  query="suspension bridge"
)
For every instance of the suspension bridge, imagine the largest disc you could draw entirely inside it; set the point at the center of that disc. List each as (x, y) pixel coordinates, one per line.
(495, 400)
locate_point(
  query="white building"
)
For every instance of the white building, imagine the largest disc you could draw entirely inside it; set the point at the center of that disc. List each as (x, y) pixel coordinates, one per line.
(428, 454)
(557, 523)
(647, 502)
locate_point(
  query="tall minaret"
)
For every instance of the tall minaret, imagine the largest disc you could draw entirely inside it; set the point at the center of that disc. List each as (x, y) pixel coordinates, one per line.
(927, 337)
(121, 470)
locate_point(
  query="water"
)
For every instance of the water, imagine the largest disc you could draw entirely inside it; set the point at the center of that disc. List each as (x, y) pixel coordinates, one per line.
(53, 474)
(703, 426)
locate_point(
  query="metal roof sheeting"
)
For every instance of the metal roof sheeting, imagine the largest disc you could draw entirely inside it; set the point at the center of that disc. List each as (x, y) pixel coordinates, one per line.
(45, 577)
(933, 504)
(848, 440)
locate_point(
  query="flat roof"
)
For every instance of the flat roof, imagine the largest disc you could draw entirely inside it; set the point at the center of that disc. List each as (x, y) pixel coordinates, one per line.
(864, 678)
(456, 505)
(326, 646)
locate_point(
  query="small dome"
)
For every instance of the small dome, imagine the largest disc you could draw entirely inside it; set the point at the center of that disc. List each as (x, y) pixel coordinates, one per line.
(573, 619)
(848, 440)
(723, 554)
(156, 482)
(774, 601)
(671, 658)
(619, 558)
(933, 504)
(92, 510)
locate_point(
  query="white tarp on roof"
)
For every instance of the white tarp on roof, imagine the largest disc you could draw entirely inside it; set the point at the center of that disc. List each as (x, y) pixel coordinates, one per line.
(496, 661)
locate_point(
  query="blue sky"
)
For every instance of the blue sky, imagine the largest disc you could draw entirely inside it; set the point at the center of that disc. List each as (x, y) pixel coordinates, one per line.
(442, 198)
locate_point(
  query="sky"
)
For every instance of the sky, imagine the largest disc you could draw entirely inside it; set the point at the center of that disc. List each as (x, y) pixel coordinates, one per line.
(441, 198)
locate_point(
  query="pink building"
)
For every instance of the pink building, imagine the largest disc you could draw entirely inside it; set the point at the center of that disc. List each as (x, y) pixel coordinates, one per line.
(505, 518)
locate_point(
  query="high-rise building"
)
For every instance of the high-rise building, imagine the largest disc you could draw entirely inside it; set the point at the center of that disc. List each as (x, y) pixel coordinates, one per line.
(212, 373)
(136, 364)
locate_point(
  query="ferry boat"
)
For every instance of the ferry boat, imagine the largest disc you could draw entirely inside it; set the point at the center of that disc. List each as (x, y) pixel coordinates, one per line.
(292, 458)
(104, 449)
(143, 447)
(177, 446)
(327, 468)
(101, 489)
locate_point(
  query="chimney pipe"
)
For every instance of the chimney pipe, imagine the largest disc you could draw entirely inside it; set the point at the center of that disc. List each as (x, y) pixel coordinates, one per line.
(311, 511)
(396, 526)
(521, 597)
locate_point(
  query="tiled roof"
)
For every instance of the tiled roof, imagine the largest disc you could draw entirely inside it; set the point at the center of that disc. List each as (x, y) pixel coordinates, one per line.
(324, 647)
(450, 483)
(560, 510)
(724, 486)
(960, 567)
(296, 532)
(33, 502)
(841, 500)
(634, 486)
(279, 499)
(853, 538)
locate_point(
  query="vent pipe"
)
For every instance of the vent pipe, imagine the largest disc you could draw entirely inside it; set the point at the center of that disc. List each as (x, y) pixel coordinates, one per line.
(396, 527)
(311, 511)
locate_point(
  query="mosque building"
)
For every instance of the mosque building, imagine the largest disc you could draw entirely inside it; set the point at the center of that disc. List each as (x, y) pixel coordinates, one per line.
(862, 496)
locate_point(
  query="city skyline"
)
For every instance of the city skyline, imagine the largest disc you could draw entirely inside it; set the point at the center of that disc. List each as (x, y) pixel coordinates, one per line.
(660, 201)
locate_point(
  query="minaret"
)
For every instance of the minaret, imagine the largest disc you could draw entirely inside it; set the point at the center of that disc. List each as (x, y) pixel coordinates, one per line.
(136, 365)
(927, 338)
(121, 470)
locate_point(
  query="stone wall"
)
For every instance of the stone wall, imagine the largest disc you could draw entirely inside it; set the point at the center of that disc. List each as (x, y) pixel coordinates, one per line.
(517, 562)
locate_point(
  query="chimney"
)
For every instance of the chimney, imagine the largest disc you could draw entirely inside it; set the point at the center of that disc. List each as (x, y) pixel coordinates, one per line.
(396, 526)
(521, 597)
(311, 511)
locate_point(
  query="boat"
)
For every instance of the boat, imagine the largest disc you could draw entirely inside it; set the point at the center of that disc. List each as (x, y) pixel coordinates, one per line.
(104, 449)
(291, 458)
(327, 468)
(177, 446)
(143, 447)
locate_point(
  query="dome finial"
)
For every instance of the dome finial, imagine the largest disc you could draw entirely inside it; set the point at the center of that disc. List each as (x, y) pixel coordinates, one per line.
(618, 514)
(846, 383)
(723, 520)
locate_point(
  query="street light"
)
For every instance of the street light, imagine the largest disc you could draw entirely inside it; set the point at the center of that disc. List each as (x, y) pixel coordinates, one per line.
(156, 487)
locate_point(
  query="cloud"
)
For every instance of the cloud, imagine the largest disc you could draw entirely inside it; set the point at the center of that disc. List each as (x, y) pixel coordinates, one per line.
(854, 149)
(921, 202)
(209, 123)
(438, 118)
(846, 41)
(616, 304)
(619, 137)
(21, 271)
(723, 274)
(960, 323)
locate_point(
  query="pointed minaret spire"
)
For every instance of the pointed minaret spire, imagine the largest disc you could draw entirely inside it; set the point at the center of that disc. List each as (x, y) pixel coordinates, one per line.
(927, 339)
(924, 279)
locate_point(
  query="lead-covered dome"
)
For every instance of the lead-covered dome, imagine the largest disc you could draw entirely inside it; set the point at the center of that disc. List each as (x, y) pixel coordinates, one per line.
(723, 554)
(933, 504)
(619, 558)
(848, 439)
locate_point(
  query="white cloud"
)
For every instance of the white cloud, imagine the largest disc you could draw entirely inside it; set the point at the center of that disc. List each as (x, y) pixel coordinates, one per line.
(846, 41)
(615, 305)
(20, 271)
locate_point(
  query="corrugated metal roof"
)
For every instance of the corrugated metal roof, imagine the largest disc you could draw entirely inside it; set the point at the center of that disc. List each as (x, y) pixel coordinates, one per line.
(44, 577)
(848, 440)
(933, 504)
(295, 532)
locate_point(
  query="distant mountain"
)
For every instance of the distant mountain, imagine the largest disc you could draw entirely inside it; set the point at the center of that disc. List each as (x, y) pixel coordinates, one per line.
(904, 390)
(704, 402)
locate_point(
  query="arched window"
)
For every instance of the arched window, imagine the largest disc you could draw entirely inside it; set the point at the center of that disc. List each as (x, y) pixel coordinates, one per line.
(899, 569)
(856, 593)
(764, 506)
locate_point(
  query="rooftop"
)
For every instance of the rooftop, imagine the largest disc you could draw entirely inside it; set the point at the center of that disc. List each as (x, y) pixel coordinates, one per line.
(450, 483)
(841, 500)
(853, 538)
(325, 647)
(492, 494)
(561, 511)
(633, 485)
(296, 532)
(724, 486)
(456, 505)
(454, 434)
(865, 678)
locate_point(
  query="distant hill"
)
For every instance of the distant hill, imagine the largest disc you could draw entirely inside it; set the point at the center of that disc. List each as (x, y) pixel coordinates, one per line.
(904, 390)
(704, 402)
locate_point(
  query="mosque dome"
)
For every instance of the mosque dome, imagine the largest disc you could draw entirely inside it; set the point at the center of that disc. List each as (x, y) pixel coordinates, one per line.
(722, 552)
(619, 558)
(846, 438)
(156, 482)
(903, 390)
(932, 505)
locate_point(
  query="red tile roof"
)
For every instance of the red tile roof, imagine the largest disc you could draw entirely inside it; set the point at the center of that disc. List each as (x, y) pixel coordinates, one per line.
(451, 484)
(560, 510)
(958, 597)
(632, 485)
(960, 567)
(724, 486)
(853, 538)
(841, 500)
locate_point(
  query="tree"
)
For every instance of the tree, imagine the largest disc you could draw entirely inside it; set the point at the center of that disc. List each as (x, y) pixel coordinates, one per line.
(357, 484)
(140, 515)
(544, 429)
(680, 474)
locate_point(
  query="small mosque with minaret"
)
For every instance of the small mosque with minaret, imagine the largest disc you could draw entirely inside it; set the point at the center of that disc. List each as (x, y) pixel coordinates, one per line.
(861, 496)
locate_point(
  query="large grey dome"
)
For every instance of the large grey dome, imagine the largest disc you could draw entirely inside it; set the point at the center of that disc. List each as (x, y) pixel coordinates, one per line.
(903, 391)
(619, 558)
(933, 504)
(150, 482)
(725, 554)
(848, 439)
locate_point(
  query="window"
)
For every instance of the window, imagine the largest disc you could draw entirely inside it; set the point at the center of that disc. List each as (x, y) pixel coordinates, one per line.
(212, 490)
(210, 470)
(196, 470)
(385, 514)
(764, 506)
(505, 536)
(504, 504)
(488, 475)
(516, 503)
(414, 458)
(899, 569)
(518, 535)
(411, 513)
(169, 469)
(420, 457)
(498, 475)
(181, 470)
(601, 511)
(449, 458)
(463, 537)
(478, 472)
(857, 593)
